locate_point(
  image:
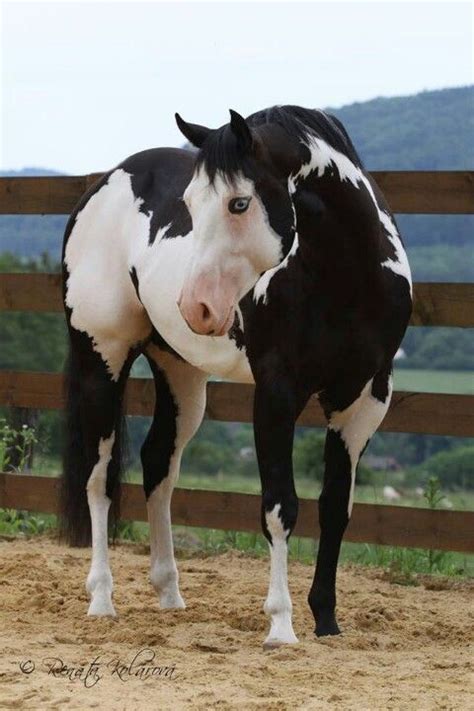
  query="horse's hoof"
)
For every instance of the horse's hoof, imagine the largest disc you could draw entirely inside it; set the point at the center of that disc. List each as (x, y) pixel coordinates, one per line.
(172, 602)
(326, 628)
(101, 608)
(275, 643)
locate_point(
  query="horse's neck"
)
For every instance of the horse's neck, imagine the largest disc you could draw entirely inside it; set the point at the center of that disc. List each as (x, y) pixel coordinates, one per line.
(328, 181)
(337, 179)
(337, 211)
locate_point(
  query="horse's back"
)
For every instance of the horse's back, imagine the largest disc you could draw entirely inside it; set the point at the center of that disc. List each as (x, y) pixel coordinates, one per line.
(168, 160)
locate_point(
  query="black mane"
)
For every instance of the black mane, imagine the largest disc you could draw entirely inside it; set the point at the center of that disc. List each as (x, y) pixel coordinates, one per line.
(220, 152)
(301, 123)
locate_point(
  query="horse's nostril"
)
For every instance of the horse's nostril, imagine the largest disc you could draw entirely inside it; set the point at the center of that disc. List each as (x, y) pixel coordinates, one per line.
(206, 314)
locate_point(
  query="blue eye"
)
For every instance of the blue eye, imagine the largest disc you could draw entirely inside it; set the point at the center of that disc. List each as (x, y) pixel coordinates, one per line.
(238, 205)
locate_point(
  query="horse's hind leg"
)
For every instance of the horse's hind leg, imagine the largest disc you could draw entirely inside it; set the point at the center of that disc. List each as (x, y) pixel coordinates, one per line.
(179, 409)
(348, 434)
(92, 463)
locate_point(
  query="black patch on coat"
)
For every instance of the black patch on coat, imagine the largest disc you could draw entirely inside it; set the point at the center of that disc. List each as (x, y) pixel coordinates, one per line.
(134, 278)
(158, 340)
(236, 334)
(159, 178)
(279, 209)
(380, 384)
(160, 442)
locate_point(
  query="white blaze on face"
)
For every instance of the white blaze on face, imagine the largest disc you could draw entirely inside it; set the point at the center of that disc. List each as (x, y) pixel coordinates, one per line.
(229, 253)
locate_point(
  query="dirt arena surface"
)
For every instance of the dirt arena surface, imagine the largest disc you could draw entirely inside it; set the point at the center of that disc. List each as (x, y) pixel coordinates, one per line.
(402, 647)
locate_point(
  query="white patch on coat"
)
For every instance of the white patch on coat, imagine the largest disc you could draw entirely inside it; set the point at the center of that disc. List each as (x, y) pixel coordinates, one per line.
(356, 425)
(278, 603)
(322, 155)
(260, 290)
(400, 265)
(99, 583)
(99, 253)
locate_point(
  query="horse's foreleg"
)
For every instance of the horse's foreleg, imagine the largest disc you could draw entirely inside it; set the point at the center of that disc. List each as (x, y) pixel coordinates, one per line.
(348, 434)
(179, 409)
(274, 418)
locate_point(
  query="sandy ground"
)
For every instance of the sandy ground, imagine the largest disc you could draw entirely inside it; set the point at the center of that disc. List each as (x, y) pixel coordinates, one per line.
(402, 647)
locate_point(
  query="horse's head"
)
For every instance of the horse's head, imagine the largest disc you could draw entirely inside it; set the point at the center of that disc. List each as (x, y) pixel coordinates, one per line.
(243, 220)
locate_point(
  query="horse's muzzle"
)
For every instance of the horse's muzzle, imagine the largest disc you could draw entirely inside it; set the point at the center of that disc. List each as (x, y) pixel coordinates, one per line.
(204, 320)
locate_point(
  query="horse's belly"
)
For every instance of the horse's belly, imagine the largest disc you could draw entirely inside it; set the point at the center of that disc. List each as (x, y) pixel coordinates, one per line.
(161, 275)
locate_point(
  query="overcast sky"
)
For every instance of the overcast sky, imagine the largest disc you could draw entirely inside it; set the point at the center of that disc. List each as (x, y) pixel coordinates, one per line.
(85, 84)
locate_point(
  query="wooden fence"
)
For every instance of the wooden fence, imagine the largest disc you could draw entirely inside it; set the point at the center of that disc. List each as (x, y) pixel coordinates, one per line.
(435, 305)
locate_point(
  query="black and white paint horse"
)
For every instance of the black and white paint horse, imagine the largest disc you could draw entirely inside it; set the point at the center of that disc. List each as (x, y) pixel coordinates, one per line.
(270, 256)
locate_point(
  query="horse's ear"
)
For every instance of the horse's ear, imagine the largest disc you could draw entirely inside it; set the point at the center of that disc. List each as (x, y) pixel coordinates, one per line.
(241, 130)
(192, 131)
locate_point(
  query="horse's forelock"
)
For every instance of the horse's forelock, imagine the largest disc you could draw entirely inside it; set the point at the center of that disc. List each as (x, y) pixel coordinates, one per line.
(222, 155)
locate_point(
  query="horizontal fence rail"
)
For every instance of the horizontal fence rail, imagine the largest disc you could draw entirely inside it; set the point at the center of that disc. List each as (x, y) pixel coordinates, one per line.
(424, 413)
(427, 192)
(435, 304)
(229, 511)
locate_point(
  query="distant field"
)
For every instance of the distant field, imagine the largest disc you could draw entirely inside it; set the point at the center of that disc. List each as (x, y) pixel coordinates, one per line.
(435, 381)
(305, 488)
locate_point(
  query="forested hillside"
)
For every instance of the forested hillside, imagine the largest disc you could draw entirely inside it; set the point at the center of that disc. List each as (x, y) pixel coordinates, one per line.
(433, 130)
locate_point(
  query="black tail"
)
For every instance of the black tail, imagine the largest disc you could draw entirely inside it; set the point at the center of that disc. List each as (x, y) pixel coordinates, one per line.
(79, 459)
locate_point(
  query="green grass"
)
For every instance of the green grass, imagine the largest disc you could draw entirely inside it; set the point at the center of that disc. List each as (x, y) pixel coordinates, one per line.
(434, 381)
(14, 522)
(402, 564)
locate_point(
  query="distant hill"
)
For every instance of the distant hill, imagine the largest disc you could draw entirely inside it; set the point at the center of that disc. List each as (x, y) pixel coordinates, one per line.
(30, 236)
(31, 172)
(433, 130)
